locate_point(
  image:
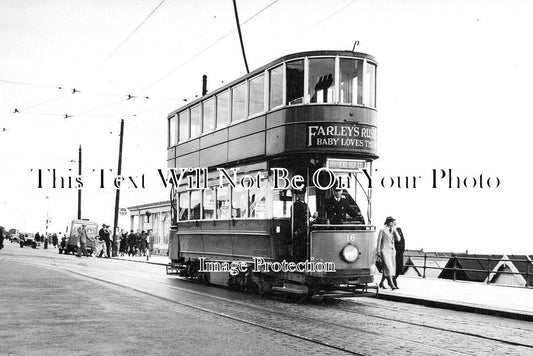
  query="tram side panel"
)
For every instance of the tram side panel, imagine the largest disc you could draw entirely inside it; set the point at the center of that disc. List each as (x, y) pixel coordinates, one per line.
(238, 240)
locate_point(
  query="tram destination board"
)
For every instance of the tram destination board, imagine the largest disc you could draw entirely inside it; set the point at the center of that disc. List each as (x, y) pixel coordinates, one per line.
(342, 135)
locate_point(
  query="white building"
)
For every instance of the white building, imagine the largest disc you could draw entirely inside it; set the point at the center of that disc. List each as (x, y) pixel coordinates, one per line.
(155, 217)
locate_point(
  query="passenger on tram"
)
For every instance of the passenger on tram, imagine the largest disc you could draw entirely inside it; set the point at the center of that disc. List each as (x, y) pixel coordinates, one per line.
(338, 206)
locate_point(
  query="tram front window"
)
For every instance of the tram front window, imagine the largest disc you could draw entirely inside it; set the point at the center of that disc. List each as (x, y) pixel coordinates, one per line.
(321, 80)
(295, 82)
(347, 205)
(351, 81)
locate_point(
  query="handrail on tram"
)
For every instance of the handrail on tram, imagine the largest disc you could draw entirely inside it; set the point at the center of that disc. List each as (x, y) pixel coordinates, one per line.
(358, 226)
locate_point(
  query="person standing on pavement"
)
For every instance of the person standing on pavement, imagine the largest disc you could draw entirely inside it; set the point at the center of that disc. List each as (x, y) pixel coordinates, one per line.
(123, 243)
(143, 243)
(1, 237)
(102, 238)
(138, 242)
(131, 243)
(399, 246)
(82, 234)
(387, 253)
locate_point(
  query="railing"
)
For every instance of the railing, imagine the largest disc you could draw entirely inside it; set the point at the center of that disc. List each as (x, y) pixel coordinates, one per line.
(491, 261)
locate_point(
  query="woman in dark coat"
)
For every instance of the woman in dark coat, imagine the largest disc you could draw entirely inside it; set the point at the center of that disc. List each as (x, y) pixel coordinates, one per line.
(399, 246)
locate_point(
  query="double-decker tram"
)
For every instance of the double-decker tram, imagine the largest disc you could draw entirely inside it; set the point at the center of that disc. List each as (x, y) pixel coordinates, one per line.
(281, 199)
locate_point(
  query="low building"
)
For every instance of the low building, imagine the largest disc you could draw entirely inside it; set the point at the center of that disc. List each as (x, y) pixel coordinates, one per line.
(156, 217)
(424, 264)
(513, 270)
(470, 267)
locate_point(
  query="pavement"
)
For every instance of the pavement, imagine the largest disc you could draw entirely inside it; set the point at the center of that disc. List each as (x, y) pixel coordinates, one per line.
(511, 302)
(506, 301)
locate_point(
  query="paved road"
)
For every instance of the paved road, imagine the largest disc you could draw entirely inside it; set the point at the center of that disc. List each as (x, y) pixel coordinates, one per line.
(56, 304)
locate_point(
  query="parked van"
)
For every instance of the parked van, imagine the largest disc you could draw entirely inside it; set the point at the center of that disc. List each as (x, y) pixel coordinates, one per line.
(70, 242)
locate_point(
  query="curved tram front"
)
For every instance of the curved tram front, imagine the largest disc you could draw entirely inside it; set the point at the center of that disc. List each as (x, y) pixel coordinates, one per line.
(283, 201)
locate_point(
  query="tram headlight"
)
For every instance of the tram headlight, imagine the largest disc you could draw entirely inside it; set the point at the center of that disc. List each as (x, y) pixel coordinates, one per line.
(350, 253)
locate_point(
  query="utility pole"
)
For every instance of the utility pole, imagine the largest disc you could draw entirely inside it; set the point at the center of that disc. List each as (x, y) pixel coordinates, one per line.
(117, 196)
(79, 189)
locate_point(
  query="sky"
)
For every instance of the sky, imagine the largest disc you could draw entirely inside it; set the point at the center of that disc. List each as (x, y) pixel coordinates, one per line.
(453, 93)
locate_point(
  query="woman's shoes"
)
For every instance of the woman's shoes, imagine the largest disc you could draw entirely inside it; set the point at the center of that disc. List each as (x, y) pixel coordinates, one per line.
(381, 285)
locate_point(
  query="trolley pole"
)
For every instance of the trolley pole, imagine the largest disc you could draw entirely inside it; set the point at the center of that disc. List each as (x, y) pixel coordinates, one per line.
(204, 84)
(117, 195)
(79, 189)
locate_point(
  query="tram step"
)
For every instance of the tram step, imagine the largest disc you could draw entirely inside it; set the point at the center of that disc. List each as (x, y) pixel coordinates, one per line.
(292, 288)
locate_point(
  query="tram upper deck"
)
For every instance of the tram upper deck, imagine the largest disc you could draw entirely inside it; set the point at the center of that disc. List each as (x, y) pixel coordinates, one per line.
(321, 102)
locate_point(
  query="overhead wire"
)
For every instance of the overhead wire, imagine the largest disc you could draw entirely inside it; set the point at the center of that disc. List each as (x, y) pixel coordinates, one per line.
(206, 48)
(133, 32)
(327, 17)
(127, 96)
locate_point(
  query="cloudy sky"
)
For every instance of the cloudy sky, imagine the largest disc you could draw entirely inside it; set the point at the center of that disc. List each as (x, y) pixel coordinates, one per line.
(454, 88)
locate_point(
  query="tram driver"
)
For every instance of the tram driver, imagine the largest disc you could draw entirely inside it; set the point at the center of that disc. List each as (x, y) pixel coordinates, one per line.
(338, 206)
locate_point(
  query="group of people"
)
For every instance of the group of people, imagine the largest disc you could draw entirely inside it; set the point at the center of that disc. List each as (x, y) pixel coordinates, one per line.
(132, 244)
(138, 243)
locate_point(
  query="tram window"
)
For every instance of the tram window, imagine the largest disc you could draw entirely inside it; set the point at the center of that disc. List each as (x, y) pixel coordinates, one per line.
(196, 115)
(183, 206)
(239, 203)
(184, 125)
(256, 95)
(196, 197)
(223, 203)
(321, 80)
(276, 87)
(369, 88)
(351, 81)
(223, 109)
(208, 204)
(295, 82)
(258, 207)
(209, 115)
(238, 94)
(281, 204)
(173, 131)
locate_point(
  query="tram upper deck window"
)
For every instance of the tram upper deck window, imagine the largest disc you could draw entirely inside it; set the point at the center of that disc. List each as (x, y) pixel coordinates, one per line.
(173, 131)
(295, 82)
(369, 89)
(183, 125)
(183, 211)
(196, 122)
(276, 87)
(256, 96)
(238, 94)
(223, 109)
(209, 115)
(351, 81)
(321, 80)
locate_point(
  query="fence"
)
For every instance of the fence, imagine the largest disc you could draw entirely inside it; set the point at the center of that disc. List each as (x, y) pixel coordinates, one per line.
(491, 263)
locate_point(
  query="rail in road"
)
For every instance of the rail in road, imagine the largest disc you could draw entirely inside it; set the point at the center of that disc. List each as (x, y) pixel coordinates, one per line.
(367, 326)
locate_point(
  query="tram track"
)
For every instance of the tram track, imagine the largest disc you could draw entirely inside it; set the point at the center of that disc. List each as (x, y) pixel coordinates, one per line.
(270, 310)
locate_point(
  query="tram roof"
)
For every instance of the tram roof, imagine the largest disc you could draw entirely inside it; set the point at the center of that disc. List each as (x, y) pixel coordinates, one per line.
(285, 58)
